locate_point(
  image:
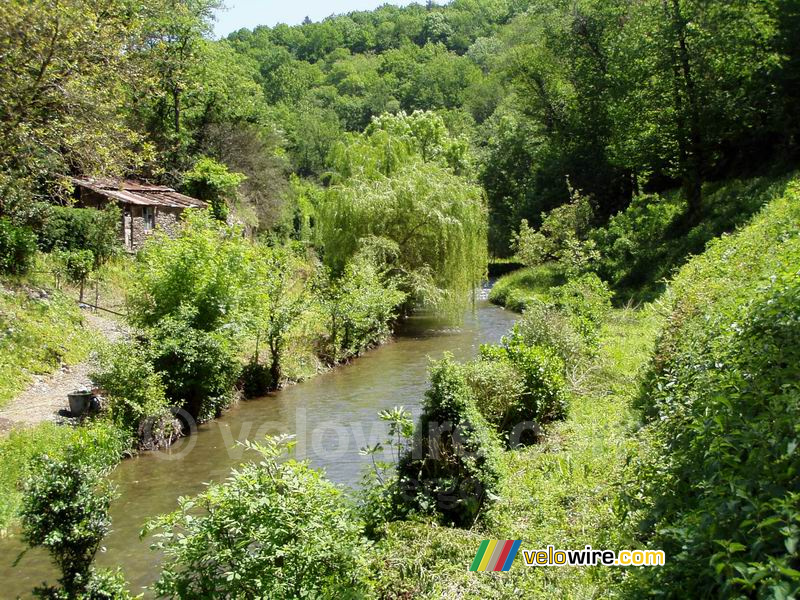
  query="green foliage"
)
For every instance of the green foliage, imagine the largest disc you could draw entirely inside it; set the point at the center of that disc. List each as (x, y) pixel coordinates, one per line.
(498, 388)
(62, 86)
(390, 190)
(255, 380)
(718, 477)
(281, 297)
(274, 529)
(360, 306)
(523, 287)
(377, 505)
(65, 510)
(203, 273)
(98, 445)
(17, 248)
(75, 265)
(452, 469)
(212, 181)
(541, 371)
(562, 237)
(547, 326)
(644, 244)
(81, 229)
(135, 392)
(586, 300)
(199, 368)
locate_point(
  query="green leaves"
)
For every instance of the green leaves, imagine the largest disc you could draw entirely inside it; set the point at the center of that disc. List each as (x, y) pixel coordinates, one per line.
(275, 529)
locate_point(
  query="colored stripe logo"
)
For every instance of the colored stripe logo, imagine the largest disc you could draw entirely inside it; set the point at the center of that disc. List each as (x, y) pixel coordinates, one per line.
(495, 555)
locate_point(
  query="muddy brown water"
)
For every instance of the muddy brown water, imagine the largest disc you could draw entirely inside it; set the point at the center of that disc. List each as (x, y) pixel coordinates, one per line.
(332, 415)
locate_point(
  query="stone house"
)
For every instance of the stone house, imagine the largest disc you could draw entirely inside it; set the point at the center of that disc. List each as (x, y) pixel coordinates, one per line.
(144, 206)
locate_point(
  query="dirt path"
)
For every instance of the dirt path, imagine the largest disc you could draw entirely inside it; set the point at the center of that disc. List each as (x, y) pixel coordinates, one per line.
(46, 397)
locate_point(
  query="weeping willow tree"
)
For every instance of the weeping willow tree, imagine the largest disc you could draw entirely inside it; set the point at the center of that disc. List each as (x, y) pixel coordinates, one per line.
(429, 222)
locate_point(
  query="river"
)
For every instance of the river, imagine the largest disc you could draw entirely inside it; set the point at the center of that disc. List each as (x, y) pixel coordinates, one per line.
(332, 415)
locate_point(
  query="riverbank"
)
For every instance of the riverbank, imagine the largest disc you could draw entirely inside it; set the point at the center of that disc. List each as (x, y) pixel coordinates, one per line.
(563, 491)
(333, 414)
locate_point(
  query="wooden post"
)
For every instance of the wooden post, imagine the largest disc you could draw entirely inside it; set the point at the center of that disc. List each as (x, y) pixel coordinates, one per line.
(96, 294)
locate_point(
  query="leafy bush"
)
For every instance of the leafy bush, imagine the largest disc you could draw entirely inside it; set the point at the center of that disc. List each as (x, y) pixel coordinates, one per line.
(547, 326)
(213, 182)
(207, 269)
(498, 388)
(643, 245)
(720, 474)
(519, 289)
(17, 248)
(544, 398)
(453, 467)
(74, 229)
(274, 529)
(360, 306)
(199, 368)
(255, 380)
(65, 510)
(137, 400)
(586, 299)
(562, 237)
(98, 445)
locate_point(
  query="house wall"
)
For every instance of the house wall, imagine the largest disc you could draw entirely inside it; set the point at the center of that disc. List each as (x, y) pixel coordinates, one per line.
(166, 218)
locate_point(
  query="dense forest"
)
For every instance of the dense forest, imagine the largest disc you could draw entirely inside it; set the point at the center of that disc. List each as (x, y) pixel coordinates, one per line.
(632, 161)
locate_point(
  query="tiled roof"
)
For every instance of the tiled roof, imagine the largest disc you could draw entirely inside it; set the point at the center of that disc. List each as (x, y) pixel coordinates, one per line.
(135, 192)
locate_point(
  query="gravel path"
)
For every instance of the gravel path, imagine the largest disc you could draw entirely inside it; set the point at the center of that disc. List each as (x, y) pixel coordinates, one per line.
(46, 397)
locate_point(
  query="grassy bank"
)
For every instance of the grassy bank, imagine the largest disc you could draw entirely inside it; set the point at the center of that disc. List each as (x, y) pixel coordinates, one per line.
(100, 444)
(563, 491)
(39, 331)
(644, 246)
(516, 290)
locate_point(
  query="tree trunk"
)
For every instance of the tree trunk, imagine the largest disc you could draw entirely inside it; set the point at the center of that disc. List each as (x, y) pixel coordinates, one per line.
(692, 166)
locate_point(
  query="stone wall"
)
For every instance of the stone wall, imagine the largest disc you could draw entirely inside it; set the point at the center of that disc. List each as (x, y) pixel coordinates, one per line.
(166, 218)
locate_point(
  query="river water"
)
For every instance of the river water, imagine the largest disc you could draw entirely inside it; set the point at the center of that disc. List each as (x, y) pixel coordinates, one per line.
(332, 416)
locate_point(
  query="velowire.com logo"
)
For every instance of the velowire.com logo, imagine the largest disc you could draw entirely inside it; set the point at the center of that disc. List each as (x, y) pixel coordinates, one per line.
(495, 555)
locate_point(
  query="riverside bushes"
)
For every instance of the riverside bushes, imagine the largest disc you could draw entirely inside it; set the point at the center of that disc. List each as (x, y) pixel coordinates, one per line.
(274, 529)
(721, 471)
(544, 396)
(65, 510)
(453, 465)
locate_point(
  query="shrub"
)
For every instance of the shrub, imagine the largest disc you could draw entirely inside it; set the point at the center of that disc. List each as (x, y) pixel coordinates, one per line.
(98, 446)
(561, 237)
(213, 182)
(587, 300)
(360, 306)
(199, 368)
(73, 229)
(255, 380)
(75, 266)
(207, 269)
(274, 529)
(542, 374)
(453, 466)
(498, 388)
(65, 510)
(137, 400)
(520, 288)
(17, 248)
(545, 325)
